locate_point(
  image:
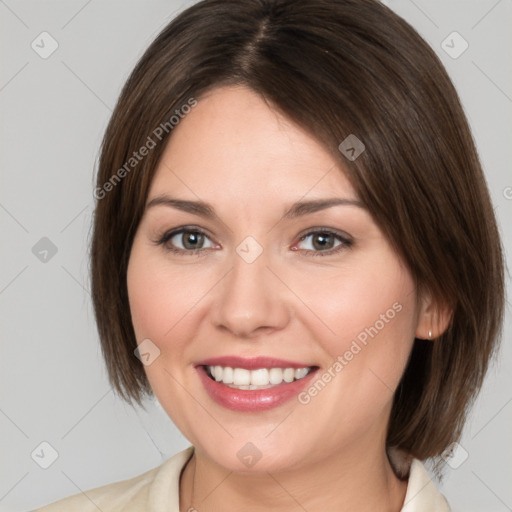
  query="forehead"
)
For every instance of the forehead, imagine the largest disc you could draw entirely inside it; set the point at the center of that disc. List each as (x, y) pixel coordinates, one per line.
(234, 145)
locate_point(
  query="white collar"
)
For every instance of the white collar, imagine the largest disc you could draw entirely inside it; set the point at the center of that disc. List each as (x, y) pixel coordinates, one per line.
(421, 496)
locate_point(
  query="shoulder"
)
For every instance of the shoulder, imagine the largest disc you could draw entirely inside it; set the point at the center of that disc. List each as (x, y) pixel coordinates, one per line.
(422, 494)
(158, 486)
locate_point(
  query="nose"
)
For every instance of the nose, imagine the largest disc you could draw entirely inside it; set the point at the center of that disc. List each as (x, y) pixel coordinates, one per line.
(251, 300)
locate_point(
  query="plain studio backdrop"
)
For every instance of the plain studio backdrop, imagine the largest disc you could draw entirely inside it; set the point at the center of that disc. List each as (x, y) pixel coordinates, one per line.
(63, 64)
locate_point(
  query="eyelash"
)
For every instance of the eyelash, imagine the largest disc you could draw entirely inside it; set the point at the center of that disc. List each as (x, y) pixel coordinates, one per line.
(184, 229)
(346, 241)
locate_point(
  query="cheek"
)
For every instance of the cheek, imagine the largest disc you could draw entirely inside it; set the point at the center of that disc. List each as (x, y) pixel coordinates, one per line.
(149, 301)
(160, 295)
(347, 301)
(368, 317)
(162, 310)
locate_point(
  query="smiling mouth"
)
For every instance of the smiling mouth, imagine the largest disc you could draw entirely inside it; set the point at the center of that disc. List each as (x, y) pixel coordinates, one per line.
(260, 378)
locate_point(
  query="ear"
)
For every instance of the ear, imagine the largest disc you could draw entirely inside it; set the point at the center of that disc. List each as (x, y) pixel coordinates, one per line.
(434, 318)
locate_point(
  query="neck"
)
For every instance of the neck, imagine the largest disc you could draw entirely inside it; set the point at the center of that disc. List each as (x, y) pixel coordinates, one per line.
(341, 481)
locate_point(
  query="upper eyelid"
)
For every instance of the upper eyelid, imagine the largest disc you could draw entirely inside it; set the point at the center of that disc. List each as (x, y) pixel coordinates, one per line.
(316, 229)
(167, 235)
(324, 229)
(343, 236)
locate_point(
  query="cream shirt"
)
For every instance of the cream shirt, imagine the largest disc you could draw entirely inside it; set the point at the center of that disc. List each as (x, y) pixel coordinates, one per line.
(157, 490)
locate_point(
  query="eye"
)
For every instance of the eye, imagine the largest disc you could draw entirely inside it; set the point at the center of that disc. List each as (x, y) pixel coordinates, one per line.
(185, 240)
(323, 241)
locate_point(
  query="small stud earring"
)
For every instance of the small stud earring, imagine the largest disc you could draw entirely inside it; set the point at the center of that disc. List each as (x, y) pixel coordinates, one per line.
(430, 334)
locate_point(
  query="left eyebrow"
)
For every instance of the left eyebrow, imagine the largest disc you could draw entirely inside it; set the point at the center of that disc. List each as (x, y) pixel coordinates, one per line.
(297, 209)
(305, 207)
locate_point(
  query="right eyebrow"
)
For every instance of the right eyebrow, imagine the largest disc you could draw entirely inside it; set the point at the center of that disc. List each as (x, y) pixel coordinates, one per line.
(195, 207)
(297, 209)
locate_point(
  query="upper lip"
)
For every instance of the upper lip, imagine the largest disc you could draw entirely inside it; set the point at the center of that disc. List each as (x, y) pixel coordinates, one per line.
(251, 363)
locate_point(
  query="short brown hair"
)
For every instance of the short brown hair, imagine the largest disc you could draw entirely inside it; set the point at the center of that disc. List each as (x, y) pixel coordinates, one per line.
(336, 68)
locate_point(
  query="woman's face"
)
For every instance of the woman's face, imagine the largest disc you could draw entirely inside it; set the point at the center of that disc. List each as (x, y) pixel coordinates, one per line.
(254, 245)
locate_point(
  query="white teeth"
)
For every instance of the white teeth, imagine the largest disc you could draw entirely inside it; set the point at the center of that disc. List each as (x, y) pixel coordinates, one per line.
(241, 377)
(276, 376)
(288, 375)
(301, 372)
(227, 375)
(260, 378)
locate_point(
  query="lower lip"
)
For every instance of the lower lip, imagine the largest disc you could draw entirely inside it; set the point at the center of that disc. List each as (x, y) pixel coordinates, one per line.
(252, 400)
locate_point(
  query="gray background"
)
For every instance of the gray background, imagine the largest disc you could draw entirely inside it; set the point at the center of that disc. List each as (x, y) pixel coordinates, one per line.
(53, 113)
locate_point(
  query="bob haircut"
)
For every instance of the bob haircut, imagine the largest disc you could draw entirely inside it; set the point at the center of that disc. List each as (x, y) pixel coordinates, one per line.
(335, 68)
